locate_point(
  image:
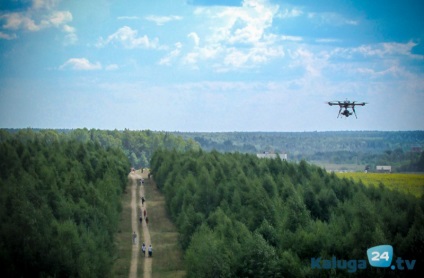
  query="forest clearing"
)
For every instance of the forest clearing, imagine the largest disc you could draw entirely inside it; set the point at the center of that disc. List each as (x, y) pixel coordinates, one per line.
(404, 182)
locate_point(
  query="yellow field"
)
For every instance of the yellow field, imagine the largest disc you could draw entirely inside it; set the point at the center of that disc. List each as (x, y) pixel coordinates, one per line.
(408, 183)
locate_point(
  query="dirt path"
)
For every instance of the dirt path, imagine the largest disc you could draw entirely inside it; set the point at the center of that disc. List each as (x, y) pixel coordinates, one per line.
(134, 224)
(136, 210)
(146, 234)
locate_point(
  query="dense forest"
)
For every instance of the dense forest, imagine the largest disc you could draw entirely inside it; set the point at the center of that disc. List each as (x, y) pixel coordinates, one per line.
(241, 216)
(59, 206)
(138, 146)
(60, 196)
(401, 149)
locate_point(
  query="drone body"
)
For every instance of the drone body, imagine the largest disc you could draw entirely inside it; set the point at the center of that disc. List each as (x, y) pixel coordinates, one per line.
(346, 105)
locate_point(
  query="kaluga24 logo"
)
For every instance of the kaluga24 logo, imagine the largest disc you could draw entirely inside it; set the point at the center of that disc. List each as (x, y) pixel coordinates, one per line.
(382, 256)
(378, 256)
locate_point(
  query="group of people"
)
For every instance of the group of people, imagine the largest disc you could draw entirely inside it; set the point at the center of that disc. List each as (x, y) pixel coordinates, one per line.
(143, 246)
(134, 237)
(143, 212)
(146, 218)
(149, 250)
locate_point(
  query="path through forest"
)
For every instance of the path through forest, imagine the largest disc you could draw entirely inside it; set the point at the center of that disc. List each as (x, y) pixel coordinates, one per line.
(136, 211)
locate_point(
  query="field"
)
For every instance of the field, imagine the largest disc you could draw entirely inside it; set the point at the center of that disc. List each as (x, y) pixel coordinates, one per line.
(330, 167)
(407, 183)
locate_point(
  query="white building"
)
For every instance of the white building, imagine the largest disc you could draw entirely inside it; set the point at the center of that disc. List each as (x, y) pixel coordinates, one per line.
(283, 156)
(385, 168)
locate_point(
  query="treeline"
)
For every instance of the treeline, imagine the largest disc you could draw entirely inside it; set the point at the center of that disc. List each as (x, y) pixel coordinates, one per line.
(240, 216)
(59, 205)
(345, 147)
(308, 143)
(138, 146)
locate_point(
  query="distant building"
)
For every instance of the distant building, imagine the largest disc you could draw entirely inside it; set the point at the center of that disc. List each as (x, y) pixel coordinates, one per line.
(283, 156)
(386, 169)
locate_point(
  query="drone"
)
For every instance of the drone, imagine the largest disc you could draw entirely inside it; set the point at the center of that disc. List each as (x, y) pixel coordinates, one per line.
(346, 105)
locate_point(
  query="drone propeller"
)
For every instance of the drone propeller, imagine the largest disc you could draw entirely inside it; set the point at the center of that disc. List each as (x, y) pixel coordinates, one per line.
(331, 103)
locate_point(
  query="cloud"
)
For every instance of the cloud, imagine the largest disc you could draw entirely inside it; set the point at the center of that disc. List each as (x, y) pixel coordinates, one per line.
(5, 36)
(328, 40)
(128, 18)
(83, 64)
(246, 24)
(195, 38)
(202, 53)
(172, 55)
(129, 39)
(313, 63)
(291, 38)
(286, 13)
(161, 20)
(112, 67)
(331, 18)
(236, 58)
(44, 4)
(41, 15)
(237, 37)
(80, 64)
(15, 21)
(379, 50)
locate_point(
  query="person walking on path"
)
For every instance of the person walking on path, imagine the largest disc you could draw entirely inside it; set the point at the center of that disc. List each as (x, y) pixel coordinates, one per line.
(147, 220)
(142, 201)
(141, 219)
(145, 213)
(150, 250)
(134, 237)
(143, 249)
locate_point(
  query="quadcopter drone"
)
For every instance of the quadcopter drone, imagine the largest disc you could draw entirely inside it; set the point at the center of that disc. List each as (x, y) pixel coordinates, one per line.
(346, 105)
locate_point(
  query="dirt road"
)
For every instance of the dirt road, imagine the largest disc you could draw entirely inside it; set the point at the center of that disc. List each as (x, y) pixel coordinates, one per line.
(146, 235)
(136, 210)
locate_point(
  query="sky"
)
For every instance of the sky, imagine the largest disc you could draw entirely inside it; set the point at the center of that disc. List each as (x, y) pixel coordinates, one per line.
(211, 65)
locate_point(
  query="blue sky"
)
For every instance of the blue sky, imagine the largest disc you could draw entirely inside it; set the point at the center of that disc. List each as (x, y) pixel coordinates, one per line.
(198, 65)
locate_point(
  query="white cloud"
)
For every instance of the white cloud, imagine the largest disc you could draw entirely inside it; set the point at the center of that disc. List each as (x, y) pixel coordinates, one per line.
(172, 55)
(15, 21)
(112, 67)
(312, 63)
(80, 64)
(129, 39)
(379, 50)
(44, 4)
(331, 18)
(5, 36)
(202, 53)
(41, 15)
(327, 40)
(128, 18)
(57, 18)
(246, 24)
(25, 20)
(231, 27)
(195, 38)
(286, 13)
(161, 20)
(291, 38)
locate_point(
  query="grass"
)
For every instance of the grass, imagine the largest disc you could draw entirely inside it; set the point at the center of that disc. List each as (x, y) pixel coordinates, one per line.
(168, 255)
(406, 183)
(121, 266)
(339, 167)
